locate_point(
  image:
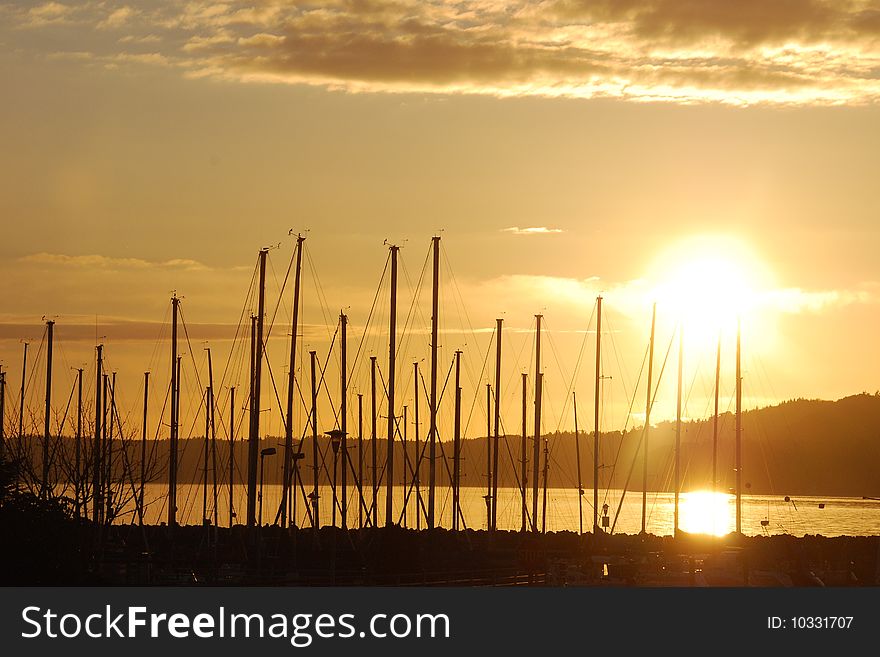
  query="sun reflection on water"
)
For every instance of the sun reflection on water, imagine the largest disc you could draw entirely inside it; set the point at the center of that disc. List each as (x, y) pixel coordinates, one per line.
(705, 512)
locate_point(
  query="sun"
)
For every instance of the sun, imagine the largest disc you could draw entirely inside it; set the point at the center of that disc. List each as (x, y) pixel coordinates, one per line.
(706, 512)
(708, 284)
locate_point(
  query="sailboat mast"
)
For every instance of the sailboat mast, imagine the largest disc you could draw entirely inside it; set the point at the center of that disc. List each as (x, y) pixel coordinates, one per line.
(418, 462)
(403, 467)
(97, 504)
(172, 448)
(254, 437)
(21, 398)
(677, 474)
(738, 431)
(392, 353)
(544, 483)
(488, 495)
(343, 320)
(213, 436)
(374, 484)
(522, 451)
(715, 417)
(456, 445)
(596, 403)
(577, 450)
(109, 398)
(313, 357)
(496, 434)
(536, 461)
(78, 447)
(648, 420)
(231, 452)
(432, 436)
(360, 481)
(288, 426)
(205, 458)
(44, 486)
(143, 482)
(3, 420)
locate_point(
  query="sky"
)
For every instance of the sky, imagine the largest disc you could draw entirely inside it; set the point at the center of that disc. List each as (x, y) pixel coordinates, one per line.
(718, 158)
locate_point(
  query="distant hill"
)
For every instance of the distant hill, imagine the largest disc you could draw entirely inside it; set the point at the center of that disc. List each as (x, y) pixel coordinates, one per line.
(799, 447)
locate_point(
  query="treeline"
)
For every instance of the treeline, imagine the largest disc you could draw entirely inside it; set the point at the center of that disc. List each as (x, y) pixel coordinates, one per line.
(799, 447)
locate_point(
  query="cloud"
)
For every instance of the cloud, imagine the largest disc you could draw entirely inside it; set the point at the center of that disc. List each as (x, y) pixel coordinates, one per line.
(686, 51)
(106, 262)
(47, 13)
(796, 300)
(535, 230)
(116, 18)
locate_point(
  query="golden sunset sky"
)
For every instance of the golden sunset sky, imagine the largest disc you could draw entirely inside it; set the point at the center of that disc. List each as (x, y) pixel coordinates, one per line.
(717, 157)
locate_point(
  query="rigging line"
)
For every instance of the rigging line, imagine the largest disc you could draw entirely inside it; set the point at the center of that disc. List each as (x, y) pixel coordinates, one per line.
(476, 387)
(625, 426)
(577, 366)
(235, 338)
(416, 297)
(280, 291)
(369, 318)
(621, 366)
(457, 290)
(642, 437)
(319, 288)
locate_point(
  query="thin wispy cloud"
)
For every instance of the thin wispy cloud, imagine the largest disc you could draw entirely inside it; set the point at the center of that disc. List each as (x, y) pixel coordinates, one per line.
(107, 262)
(533, 230)
(740, 53)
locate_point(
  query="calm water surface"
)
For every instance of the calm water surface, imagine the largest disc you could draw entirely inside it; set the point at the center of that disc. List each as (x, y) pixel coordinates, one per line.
(703, 512)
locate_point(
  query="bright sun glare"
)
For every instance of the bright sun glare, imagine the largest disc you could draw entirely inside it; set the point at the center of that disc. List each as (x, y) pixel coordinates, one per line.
(708, 283)
(705, 512)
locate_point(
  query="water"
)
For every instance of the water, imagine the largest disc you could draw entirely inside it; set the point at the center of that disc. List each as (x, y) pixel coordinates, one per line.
(703, 512)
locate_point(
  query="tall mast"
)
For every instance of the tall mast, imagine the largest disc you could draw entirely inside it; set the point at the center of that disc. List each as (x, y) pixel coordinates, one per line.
(288, 426)
(456, 445)
(172, 451)
(343, 320)
(738, 431)
(392, 349)
(21, 398)
(373, 454)
(109, 398)
(577, 449)
(596, 416)
(360, 481)
(536, 460)
(418, 460)
(3, 419)
(205, 457)
(143, 482)
(231, 452)
(432, 436)
(77, 463)
(522, 451)
(488, 495)
(403, 467)
(677, 475)
(316, 522)
(495, 437)
(544, 483)
(648, 421)
(254, 437)
(44, 487)
(250, 406)
(213, 436)
(97, 465)
(715, 417)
